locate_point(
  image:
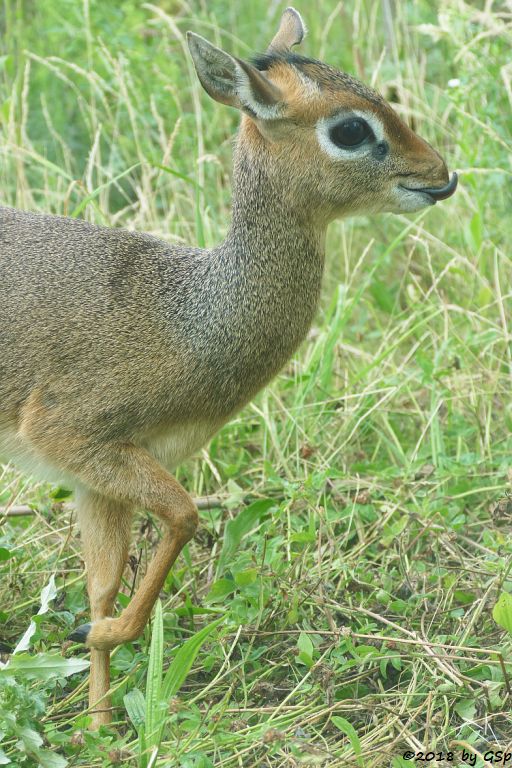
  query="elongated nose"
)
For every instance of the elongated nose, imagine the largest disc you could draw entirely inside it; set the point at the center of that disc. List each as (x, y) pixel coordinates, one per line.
(441, 193)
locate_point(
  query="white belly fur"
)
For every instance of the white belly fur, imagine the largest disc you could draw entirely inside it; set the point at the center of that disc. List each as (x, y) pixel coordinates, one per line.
(178, 443)
(14, 448)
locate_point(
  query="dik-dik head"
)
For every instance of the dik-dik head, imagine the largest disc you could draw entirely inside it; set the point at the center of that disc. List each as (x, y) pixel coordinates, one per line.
(334, 145)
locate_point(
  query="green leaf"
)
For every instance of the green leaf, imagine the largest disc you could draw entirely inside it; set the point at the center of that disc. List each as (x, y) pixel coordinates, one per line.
(178, 175)
(464, 596)
(48, 594)
(385, 297)
(181, 664)
(44, 666)
(49, 759)
(143, 755)
(135, 705)
(220, 589)
(31, 739)
(5, 554)
(306, 649)
(59, 494)
(476, 228)
(351, 733)
(502, 612)
(244, 578)
(239, 526)
(303, 537)
(466, 709)
(365, 651)
(325, 353)
(123, 600)
(154, 677)
(189, 610)
(185, 657)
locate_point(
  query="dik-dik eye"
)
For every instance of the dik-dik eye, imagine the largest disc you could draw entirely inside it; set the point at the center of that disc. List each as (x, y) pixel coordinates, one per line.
(350, 132)
(351, 135)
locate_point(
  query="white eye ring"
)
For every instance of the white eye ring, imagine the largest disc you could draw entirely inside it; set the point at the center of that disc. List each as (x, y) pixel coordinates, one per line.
(325, 124)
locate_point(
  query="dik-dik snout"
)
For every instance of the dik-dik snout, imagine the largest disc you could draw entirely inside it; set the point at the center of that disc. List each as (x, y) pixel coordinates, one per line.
(331, 144)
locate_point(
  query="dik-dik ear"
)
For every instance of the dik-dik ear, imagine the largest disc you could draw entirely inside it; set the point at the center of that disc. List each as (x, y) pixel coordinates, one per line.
(292, 31)
(234, 82)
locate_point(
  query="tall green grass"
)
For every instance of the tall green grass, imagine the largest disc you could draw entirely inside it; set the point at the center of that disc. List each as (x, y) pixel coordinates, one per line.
(358, 592)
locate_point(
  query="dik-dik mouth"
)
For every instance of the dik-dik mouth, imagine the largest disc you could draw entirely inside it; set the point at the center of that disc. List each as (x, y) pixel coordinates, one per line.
(437, 193)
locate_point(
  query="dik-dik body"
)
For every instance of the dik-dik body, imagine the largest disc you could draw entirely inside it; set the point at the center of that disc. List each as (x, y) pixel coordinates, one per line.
(120, 353)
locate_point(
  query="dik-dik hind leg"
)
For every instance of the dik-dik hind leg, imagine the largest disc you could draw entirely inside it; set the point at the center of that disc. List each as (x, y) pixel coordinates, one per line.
(129, 475)
(134, 476)
(105, 531)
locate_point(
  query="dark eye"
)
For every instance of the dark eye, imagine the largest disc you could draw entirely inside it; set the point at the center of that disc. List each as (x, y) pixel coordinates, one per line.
(350, 132)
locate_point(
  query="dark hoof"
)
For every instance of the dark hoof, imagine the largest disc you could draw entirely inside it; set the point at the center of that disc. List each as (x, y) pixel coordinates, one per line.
(79, 634)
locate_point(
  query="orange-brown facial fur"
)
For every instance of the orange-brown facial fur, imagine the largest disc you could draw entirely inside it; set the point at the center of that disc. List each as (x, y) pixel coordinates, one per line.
(368, 179)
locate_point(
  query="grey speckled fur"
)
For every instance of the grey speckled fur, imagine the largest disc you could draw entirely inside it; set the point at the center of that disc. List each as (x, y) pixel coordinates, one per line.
(125, 335)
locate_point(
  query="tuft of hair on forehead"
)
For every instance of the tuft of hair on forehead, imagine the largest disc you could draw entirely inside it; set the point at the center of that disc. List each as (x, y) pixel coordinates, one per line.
(325, 76)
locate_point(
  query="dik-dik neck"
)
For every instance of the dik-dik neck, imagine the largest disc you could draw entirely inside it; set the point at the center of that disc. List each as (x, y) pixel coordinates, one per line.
(265, 279)
(244, 306)
(274, 250)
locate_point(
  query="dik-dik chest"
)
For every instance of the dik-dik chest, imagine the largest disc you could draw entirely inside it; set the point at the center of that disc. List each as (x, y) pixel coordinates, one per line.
(244, 342)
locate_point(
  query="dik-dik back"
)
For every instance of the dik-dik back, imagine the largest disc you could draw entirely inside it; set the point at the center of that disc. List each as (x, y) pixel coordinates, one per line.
(118, 350)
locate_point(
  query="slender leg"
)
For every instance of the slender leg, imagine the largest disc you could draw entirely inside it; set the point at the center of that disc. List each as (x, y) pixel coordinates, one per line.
(130, 476)
(126, 474)
(133, 476)
(105, 530)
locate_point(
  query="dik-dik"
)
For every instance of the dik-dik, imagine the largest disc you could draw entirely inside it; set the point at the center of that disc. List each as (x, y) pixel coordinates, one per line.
(120, 353)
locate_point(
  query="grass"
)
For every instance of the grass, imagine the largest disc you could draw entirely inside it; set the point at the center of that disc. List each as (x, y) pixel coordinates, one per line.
(364, 534)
